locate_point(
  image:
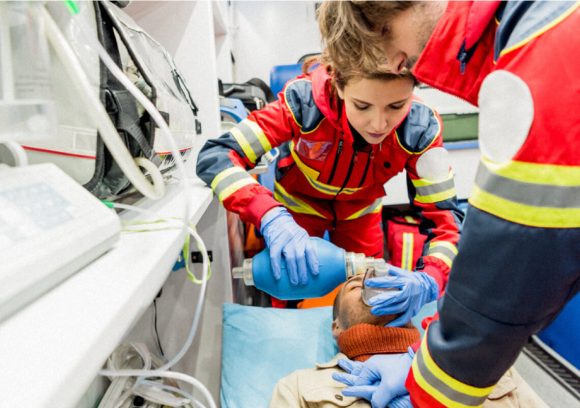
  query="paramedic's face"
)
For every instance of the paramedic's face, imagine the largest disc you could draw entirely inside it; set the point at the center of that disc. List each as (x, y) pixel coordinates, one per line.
(374, 107)
(407, 34)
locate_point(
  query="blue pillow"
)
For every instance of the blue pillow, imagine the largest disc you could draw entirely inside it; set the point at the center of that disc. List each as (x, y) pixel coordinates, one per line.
(262, 345)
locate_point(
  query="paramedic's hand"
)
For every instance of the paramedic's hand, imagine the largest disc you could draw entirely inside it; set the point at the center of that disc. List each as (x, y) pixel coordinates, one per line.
(415, 290)
(380, 379)
(401, 402)
(284, 237)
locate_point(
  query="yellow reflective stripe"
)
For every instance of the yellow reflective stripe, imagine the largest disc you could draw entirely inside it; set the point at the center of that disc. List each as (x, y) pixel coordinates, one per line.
(323, 188)
(434, 186)
(523, 192)
(312, 176)
(434, 198)
(373, 208)
(225, 193)
(225, 173)
(350, 190)
(410, 219)
(229, 181)
(421, 182)
(257, 130)
(433, 392)
(540, 32)
(450, 381)
(293, 203)
(443, 250)
(453, 384)
(439, 245)
(407, 257)
(311, 173)
(244, 144)
(543, 217)
(428, 191)
(557, 175)
(444, 258)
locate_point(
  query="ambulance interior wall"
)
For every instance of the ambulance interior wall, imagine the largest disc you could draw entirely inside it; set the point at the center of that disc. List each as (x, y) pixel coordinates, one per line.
(268, 33)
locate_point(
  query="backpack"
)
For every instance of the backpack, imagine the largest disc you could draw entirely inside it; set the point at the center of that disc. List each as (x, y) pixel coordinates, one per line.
(404, 241)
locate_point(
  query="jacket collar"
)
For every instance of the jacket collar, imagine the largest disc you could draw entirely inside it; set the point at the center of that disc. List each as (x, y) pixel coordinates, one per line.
(324, 96)
(481, 14)
(329, 103)
(457, 55)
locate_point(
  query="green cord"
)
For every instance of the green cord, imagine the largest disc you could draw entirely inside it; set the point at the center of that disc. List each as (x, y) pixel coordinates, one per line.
(108, 203)
(190, 274)
(72, 6)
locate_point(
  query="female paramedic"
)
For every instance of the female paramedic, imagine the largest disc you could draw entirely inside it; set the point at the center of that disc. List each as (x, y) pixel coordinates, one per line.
(342, 135)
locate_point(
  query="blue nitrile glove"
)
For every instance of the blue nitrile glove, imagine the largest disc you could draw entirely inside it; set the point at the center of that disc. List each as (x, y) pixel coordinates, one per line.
(401, 402)
(380, 379)
(415, 290)
(284, 237)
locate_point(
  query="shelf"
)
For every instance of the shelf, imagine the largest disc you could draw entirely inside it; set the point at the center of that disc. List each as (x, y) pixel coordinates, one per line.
(52, 350)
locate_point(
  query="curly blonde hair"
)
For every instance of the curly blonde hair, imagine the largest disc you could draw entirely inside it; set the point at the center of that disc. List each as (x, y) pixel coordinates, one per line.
(340, 77)
(353, 32)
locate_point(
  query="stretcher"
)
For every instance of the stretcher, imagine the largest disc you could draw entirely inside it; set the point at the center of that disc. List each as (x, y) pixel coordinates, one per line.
(262, 345)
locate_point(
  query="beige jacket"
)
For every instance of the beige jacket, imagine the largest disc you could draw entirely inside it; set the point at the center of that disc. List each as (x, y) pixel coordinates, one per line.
(315, 388)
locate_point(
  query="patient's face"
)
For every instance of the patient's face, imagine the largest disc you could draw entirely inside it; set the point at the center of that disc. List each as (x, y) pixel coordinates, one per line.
(351, 309)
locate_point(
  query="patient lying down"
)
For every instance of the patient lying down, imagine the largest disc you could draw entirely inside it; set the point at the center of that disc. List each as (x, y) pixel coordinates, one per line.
(359, 335)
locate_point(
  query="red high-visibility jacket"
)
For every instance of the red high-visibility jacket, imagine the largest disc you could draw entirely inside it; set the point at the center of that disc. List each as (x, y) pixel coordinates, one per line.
(520, 247)
(321, 171)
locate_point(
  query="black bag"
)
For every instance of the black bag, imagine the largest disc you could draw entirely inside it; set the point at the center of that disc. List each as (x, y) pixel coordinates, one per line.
(254, 94)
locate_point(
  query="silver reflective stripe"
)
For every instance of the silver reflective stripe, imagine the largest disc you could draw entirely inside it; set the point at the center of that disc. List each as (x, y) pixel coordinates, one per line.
(444, 388)
(407, 261)
(323, 188)
(252, 138)
(229, 180)
(442, 250)
(435, 188)
(286, 198)
(537, 195)
(373, 207)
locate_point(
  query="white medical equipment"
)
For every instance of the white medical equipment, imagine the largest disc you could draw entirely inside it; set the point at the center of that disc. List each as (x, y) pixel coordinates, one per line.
(50, 227)
(27, 108)
(104, 138)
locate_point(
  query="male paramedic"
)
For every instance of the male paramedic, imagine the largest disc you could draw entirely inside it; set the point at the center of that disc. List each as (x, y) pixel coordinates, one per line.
(519, 257)
(359, 335)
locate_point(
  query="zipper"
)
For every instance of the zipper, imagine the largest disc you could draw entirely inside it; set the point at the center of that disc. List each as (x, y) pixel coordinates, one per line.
(364, 176)
(336, 160)
(333, 214)
(348, 174)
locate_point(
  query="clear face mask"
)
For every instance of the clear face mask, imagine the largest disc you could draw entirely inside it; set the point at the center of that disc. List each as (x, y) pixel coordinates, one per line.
(376, 271)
